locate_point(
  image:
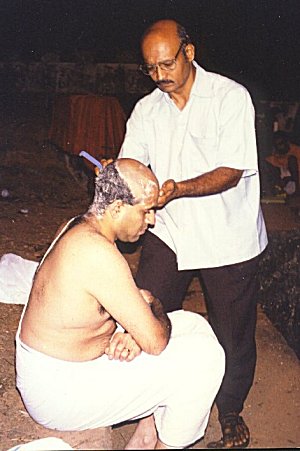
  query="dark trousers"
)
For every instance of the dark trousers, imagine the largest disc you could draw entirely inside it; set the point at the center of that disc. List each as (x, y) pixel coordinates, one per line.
(231, 300)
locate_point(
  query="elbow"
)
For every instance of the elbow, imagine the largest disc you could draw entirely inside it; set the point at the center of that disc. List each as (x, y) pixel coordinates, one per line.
(156, 352)
(159, 348)
(159, 339)
(160, 344)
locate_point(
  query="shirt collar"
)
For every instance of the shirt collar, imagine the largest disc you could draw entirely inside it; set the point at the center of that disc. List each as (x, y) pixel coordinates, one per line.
(202, 85)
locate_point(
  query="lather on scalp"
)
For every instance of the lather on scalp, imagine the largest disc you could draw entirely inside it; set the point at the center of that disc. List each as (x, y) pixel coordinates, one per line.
(110, 186)
(141, 179)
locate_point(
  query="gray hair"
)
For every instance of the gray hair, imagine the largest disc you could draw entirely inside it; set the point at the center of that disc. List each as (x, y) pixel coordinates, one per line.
(182, 34)
(110, 186)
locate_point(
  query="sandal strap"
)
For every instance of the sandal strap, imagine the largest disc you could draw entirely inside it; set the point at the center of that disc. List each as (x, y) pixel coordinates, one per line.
(229, 424)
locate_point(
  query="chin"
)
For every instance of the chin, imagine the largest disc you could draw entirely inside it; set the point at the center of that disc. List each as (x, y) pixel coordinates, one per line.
(168, 88)
(133, 239)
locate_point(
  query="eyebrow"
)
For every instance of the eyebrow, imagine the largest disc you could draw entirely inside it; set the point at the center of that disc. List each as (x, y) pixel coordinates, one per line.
(167, 59)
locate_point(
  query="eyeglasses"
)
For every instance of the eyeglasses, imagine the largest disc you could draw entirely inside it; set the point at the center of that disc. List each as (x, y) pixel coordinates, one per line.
(168, 65)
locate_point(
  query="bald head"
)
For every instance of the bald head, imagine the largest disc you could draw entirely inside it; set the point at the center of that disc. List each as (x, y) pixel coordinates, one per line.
(125, 179)
(166, 29)
(140, 179)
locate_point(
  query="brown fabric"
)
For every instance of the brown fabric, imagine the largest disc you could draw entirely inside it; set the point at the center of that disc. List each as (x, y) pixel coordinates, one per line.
(88, 122)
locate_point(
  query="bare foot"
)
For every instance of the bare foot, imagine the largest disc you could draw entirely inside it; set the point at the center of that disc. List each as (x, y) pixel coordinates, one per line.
(160, 445)
(145, 435)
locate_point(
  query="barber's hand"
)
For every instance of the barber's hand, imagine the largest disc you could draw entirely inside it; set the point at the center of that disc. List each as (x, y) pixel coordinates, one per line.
(122, 347)
(104, 163)
(167, 192)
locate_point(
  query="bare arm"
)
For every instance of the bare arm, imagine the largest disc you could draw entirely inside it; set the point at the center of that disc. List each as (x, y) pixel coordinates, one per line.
(123, 346)
(111, 283)
(213, 182)
(157, 308)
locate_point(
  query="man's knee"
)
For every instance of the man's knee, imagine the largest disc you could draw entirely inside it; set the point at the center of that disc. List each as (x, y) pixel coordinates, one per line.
(198, 346)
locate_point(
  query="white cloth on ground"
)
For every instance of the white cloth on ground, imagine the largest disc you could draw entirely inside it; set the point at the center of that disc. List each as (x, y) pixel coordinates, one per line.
(43, 444)
(176, 386)
(16, 275)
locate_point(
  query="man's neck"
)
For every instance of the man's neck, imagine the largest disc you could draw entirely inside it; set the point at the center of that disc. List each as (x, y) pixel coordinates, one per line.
(101, 226)
(181, 97)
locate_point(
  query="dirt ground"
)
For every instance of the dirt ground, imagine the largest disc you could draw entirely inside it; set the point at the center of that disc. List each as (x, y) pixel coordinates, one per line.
(43, 191)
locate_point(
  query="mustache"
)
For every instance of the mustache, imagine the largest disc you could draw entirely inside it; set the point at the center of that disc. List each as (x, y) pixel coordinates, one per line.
(164, 82)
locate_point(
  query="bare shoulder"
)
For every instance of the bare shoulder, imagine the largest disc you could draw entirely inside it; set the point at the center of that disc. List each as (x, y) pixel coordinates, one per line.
(107, 254)
(95, 251)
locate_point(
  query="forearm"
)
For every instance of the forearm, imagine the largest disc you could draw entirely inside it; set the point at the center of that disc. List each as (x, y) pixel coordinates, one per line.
(163, 331)
(213, 182)
(158, 312)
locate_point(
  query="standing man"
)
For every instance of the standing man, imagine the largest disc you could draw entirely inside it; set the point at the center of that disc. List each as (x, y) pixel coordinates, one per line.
(197, 133)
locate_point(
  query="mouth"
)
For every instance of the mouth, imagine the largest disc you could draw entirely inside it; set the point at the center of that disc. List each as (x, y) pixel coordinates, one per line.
(164, 83)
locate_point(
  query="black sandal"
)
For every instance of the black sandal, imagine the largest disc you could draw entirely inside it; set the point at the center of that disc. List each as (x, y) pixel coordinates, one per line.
(235, 433)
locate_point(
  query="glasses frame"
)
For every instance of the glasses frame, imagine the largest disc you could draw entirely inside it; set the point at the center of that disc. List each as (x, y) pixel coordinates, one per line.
(155, 66)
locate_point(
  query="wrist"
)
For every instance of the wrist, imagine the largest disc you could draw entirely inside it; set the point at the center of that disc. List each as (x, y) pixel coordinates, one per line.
(178, 189)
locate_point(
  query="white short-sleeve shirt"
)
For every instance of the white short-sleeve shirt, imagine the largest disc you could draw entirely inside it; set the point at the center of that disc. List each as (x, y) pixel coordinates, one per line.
(215, 129)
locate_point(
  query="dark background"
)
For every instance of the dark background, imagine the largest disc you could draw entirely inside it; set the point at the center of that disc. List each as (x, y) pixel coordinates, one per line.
(255, 42)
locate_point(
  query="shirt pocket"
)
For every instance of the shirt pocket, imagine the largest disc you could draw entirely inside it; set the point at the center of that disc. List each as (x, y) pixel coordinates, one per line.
(201, 152)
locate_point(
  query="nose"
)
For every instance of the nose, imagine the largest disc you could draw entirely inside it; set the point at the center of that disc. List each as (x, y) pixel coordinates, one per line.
(150, 218)
(158, 73)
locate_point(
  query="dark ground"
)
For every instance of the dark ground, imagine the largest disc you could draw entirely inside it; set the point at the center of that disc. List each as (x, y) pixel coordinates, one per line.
(43, 192)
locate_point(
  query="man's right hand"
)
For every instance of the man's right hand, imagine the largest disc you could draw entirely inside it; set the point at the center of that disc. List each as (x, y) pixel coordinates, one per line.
(167, 192)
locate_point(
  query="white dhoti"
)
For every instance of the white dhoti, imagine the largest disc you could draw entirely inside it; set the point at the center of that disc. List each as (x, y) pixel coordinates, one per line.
(178, 386)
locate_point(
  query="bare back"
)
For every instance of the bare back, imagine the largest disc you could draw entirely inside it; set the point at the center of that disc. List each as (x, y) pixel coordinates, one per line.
(63, 318)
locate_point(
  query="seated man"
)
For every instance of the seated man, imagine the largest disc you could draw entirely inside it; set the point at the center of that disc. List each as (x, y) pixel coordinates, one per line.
(282, 167)
(93, 350)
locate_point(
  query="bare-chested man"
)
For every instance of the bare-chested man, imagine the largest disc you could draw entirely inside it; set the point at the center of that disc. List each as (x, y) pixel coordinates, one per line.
(93, 350)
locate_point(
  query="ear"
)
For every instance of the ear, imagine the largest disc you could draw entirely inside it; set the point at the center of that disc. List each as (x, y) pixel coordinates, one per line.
(115, 208)
(190, 52)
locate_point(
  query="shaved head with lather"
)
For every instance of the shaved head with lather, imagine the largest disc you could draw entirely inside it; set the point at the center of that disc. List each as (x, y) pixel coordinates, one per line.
(125, 179)
(141, 179)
